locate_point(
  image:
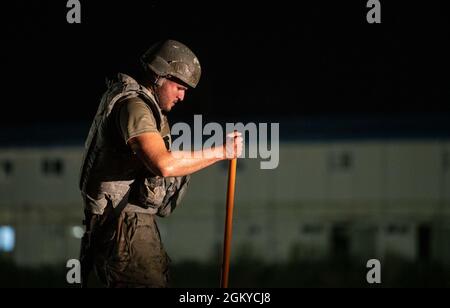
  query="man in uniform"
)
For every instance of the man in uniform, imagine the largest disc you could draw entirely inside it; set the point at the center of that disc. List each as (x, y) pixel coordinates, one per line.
(129, 174)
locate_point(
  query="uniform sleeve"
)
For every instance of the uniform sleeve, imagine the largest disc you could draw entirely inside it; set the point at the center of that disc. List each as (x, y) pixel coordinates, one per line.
(135, 118)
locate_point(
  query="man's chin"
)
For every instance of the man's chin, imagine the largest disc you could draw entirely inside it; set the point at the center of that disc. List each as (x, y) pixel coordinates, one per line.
(167, 109)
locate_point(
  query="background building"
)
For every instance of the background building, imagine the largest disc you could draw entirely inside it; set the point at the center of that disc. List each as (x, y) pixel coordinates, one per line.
(336, 197)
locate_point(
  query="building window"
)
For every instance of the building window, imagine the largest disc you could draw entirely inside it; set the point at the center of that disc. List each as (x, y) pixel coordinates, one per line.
(6, 168)
(53, 167)
(7, 239)
(311, 229)
(397, 229)
(340, 241)
(424, 240)
(340, 161)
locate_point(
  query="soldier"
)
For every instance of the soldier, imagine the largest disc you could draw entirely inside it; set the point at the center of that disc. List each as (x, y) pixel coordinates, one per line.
(129, 173)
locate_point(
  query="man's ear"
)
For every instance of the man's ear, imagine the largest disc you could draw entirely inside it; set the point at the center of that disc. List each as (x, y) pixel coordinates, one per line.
(160, 81)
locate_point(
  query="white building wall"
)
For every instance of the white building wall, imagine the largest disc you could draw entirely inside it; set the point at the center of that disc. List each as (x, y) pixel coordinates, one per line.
(29, 185)
(413, 170)
(375, 187)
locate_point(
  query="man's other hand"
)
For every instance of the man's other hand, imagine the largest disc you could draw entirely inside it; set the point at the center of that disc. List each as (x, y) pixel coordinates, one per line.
(234, 145)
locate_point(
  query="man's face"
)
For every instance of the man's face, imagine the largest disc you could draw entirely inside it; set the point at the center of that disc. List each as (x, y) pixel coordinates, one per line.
(169, 94)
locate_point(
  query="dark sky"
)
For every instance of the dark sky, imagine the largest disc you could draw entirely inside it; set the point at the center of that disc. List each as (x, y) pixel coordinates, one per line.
(259, 60)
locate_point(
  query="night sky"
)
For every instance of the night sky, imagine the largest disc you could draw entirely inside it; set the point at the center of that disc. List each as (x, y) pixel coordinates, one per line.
(269, 60)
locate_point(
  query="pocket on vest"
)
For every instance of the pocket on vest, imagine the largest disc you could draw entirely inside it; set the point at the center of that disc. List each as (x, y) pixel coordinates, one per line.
(152, 192)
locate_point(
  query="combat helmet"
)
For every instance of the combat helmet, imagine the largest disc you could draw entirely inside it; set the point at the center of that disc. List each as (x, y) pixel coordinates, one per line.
(171, 58)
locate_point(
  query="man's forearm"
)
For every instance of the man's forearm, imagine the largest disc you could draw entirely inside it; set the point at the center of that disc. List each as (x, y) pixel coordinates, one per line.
(185, 162)
(151, 150)
(181, 163)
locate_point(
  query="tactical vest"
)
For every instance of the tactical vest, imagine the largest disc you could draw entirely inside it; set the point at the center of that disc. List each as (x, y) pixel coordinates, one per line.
(111, 173)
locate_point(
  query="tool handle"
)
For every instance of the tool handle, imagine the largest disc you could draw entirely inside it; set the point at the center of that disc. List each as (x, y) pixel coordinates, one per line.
(228, 223)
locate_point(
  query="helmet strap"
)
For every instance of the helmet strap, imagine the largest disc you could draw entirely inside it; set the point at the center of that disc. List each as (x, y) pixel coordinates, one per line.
(157, 83)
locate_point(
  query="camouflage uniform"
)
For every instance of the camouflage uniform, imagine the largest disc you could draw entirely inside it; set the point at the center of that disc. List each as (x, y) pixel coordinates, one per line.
(121, 197)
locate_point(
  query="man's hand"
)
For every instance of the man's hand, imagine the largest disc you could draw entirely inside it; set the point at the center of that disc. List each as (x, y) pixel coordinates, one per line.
(233, 145)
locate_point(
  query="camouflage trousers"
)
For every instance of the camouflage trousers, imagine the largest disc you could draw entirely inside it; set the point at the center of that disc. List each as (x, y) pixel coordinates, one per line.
(127, 252)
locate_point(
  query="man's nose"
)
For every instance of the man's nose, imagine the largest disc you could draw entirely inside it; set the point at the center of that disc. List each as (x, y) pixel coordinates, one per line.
(181, 95)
